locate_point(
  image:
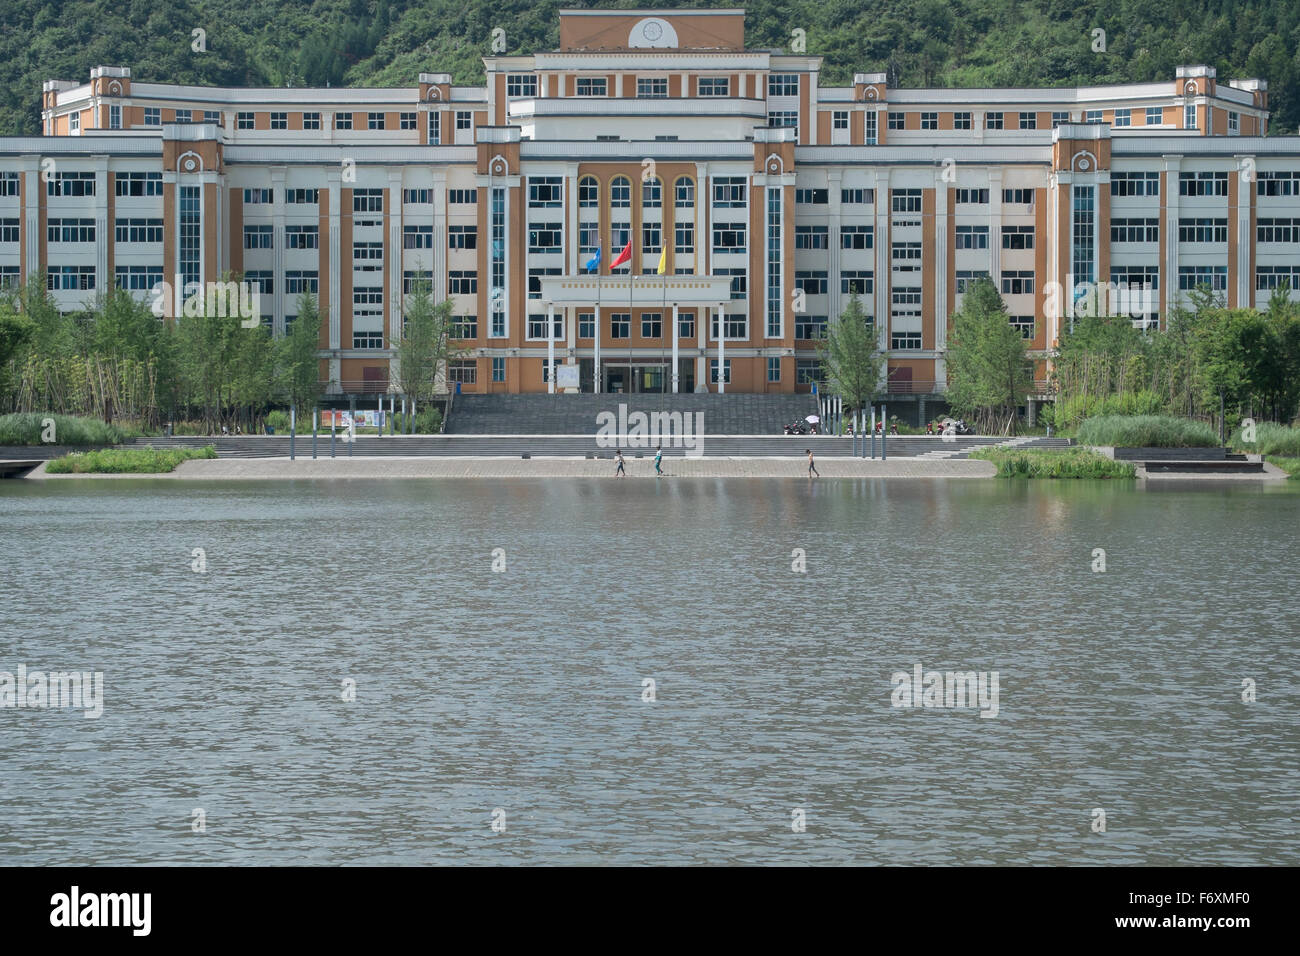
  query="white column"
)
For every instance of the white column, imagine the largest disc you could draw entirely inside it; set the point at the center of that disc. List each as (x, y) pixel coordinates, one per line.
(279, 240)
(103, 228)
(676, 309)
(722, 349)
(595, 380)
(550, 347)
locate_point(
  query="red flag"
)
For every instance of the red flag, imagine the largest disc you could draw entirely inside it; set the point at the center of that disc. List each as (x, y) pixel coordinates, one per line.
(623, 256)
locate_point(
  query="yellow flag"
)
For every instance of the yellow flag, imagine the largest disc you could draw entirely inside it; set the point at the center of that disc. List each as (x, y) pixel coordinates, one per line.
(663, 261)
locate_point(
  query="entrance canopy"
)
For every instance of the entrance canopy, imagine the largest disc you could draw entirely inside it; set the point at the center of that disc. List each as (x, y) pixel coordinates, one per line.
(688, 292)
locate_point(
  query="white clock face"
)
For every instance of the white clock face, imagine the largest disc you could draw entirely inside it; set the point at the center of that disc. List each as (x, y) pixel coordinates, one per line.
(652, 31)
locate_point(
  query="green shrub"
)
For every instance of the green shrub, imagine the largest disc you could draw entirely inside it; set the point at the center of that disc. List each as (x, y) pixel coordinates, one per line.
(1053, 463)
(1146, 431)
(428, 422)
(1280, 440)
(1071, 412)
(126, 461)
(279, 420)
(26, 428)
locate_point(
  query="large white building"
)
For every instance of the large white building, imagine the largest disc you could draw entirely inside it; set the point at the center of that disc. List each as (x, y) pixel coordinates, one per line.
(771, 198)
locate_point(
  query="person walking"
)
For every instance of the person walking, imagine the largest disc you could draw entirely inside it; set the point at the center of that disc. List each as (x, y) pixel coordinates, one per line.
(659, 457)
(812, 467)
(618, 456)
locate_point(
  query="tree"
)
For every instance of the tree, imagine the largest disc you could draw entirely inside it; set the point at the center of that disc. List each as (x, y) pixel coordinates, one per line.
(298, 364)
(425, 346)
(850, 356)
(989, 371)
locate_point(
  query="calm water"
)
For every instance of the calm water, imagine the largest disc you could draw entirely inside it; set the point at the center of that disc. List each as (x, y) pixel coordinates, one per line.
(522, 689)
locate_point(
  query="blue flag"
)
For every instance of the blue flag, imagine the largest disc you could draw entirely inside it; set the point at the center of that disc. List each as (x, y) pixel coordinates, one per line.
(594, 262)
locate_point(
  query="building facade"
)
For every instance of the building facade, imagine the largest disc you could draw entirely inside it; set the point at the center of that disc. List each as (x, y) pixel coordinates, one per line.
(766, 199)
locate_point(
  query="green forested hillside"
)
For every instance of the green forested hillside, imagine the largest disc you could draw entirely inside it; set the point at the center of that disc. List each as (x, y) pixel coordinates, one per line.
(387, 42)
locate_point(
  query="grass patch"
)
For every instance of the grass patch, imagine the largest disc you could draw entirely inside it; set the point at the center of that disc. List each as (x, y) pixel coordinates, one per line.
(1054, 463)
(1290, 465)
(1146, 431)
(1270, 439)
(31, 428)
(126, 461)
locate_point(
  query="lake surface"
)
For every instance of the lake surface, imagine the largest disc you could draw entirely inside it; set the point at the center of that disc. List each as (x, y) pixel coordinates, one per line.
(521, 690)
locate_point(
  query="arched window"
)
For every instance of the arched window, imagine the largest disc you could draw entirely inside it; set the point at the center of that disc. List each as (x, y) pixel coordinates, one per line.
(685, 190)
(620, 192)
(652, 193)
(588, 192)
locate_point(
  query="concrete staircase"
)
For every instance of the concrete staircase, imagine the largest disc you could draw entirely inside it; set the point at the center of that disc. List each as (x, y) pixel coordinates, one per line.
(972, 442)
(735, 414)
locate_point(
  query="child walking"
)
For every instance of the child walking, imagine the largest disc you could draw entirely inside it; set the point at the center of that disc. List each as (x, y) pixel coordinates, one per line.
(812, 468)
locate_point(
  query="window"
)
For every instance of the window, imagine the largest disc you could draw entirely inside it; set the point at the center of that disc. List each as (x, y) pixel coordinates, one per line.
(1083, 259)
(1193, 277)
(586, 325)
(435, 129)
(1272, 277)
(462, 237)
(417, 237)
(905, 252)
(243, 121)
(1123, 118)
(413, 280)
(856, 237)
(1018, 197)
(684, 238)
(906, 200)
(783, 118)
(652, 87)
(993, 121)
(715, 86)
(1017, 283)
(651, 237)
(212, 116)
(729, 236)
(773, 368)
(368, 295)
(729, 192)
(783, 84)
(857, 282)
(620, 193)
(972, 197)
(258, 237)
(620, 325)
(1024, 324)
(857, 196)
(138, 230)
(376, 121)
(152, 116)
(966, 279)
(545, 192)
(464, 326)
(652, 193)
(537, 326)
(652, 325)
(191, 234)
(869, 128)
(1029, 121)
(1234, 123)
(311, 120)
(115, 117)
(137, 278)
(972, 237)
(895, 121)
(521, 84)
(811, 237)
(807, 371)
(257, 197)
(297, 281)
(726, 371)
(961, 120)
(545, 237)
(367, 253)
(464, 119)
(8, 230)
(1278, 230)
(367, 200)
(839, 120)
(344, 120)
(262, 280)
(279, 121)
(498, 369)
(737, 326)
(75, 278)
(588, 193)
(308, 197)
(184, 116)
(1279, 183)
(591, 86)
(1134, 184)
(1155, 116)
(131, 184)
(686, 325)
(812, 197)
(1202, 184)
(811, 281)
(462, 282)
(1134, 230)
(1059, 117)
(367, 340)
(462, 197)
(929, 121)
(739, 281)
(417, 196)
(1017, 237)
(905, 341)
(71, 230)
(71, 184)
(1202, 230)
(684, 192)
(1092, 116)
(1189, 116)
(809, 327)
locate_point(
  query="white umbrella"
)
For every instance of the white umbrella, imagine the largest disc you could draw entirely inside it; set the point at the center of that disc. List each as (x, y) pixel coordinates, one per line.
(812, 419)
